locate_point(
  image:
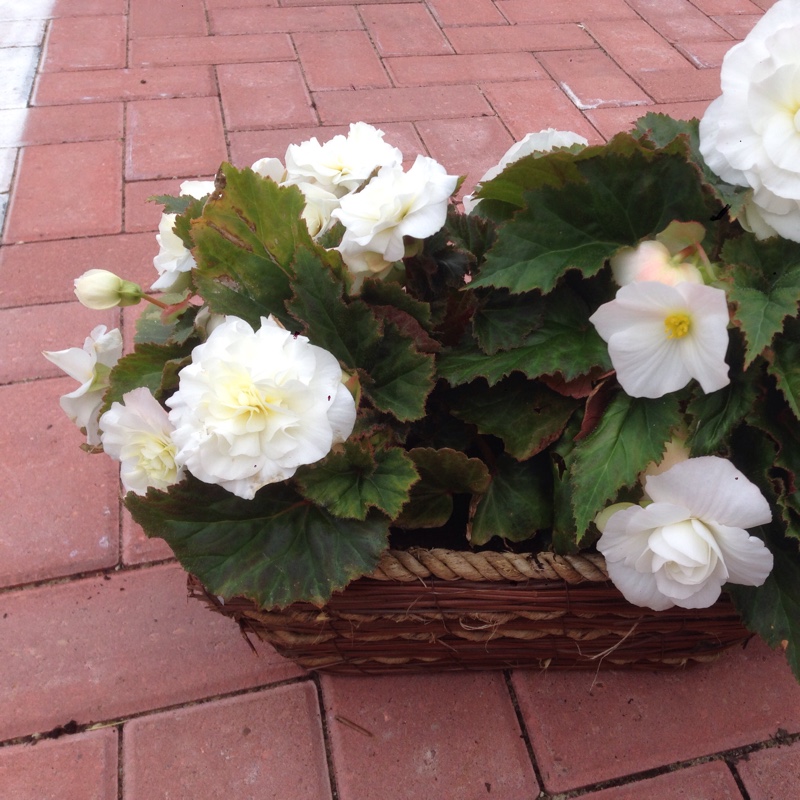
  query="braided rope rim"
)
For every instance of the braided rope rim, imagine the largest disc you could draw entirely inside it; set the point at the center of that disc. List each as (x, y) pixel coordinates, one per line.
(418, 563)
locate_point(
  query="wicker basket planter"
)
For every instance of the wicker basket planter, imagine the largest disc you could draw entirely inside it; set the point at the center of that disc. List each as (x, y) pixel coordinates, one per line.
(443, 609)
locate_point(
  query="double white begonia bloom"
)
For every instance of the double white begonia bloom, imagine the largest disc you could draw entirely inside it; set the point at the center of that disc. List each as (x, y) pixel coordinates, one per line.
(174, 261)
(660, 337)
(750, 135)
(652, 261)
(680, 549)
(253, 406)
(138, 433)
(393, 205)
(343, 163)
(542, 142)
(91, 366)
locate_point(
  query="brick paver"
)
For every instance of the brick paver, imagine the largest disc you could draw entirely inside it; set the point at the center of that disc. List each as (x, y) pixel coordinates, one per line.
(262, 745)
(100, 648)
(85, 43)
(772, 774)
(82, 767)
(79, 531)
(43, 272)
(617, 723)
(711, 781)
(380, 727)
(181, 136)
(104, 103)
(105, 85)
(66, 190)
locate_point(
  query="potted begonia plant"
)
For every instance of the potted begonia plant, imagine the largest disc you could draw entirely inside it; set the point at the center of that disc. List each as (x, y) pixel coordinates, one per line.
(599, 354)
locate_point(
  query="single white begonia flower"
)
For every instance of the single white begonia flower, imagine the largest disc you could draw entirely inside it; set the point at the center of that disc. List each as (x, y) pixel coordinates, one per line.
(138, 433)
(680, 549)
(660, 337)
(542, 142)
(652, 261)
(750, 135)
(91, 366)
(343, 163)
(320, 205)
(393, 205)
(174, 261)
(270, 168)
(197, 189)
(253, 406)
(100, 289)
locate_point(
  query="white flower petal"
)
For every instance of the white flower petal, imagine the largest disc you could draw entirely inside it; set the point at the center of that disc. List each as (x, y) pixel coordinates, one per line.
(197, 189)
(713, 490)
(746, 557)
(639, 588)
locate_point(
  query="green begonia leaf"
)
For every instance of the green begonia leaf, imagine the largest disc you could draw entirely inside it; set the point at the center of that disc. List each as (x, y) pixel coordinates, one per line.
(356, 479)
(395, 376)
(443, 473)
(773, 610)
(400, 378)
(525, 415)
(503, 195)
(631, 434)
(663, 130)
(348, 329)
(785, 365)
(564, 342)
(715, 415)
(144, 367)
(470, 233)
(151, 327)
(627, 193)
(517, 503)
(172, 205)
(765, 286)
(504, 320)
(245, 243)
(276, 549)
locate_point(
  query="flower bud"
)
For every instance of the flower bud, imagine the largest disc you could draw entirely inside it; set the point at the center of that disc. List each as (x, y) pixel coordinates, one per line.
(652, 261)
(100, 289)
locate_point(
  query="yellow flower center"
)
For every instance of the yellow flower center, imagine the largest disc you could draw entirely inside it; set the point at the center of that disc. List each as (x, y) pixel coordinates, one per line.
(677, 325)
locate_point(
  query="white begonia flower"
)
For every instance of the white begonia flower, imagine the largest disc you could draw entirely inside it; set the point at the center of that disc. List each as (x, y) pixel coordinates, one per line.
(138, 433)
(253, 406)
(393, 205)
(270, 168)
(174, 261)
(542, 142)
(197, 189)
(750, 135)
(652, 261)
(320, 205)
(681, 548)
(100, 289)
(90, 366)
(343, 163)
(660, 337)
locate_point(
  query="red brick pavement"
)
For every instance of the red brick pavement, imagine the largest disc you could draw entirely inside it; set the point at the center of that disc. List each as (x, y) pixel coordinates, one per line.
(105, 102)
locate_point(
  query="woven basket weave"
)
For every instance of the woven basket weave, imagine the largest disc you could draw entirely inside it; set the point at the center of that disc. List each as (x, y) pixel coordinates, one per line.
(424, 610)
